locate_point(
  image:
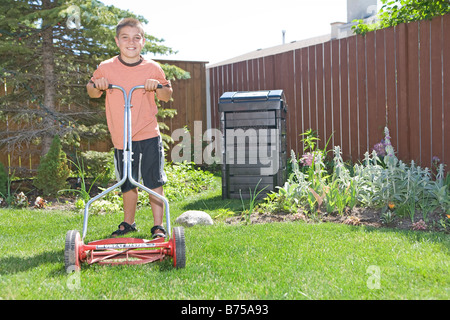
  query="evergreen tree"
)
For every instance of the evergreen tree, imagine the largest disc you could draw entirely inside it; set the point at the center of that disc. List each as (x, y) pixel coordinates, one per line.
(48, 51)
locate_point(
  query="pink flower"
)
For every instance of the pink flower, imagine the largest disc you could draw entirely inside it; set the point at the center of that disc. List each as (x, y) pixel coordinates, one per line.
(420, 225)
(307, 159)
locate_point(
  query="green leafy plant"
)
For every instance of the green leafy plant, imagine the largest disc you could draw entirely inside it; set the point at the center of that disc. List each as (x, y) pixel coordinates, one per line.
(53, 170)
(388, 217)
(444, 223)
(375, 183)
(6, 194)
(310, 140)
(394, 12)
(4, 180)
(253, 197)
(13, 199)
(331, 194)
(110, 203)
(98, 165)
(441, 190)
(345, 192)
(185, 179)
(289, 196)
(351, 192)
(83, 192)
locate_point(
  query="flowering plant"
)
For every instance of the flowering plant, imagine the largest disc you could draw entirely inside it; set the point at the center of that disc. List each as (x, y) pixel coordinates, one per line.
(380, 148)
(381, 180)
(309, 158)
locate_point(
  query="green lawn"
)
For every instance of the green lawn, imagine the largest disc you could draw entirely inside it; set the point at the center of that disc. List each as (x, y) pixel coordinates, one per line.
(273, 261)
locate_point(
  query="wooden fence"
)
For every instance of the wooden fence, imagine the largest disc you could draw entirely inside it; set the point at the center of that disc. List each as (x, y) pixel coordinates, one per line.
(353, 87)
(189, 99)
(189, 96)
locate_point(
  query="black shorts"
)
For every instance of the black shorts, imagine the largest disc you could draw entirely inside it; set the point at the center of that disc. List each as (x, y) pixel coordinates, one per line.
(148, 164)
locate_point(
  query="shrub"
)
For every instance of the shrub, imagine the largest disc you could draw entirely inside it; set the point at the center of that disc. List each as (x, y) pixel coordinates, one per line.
(53, 170)
(3, 180)
(183, 180)
(99, 165)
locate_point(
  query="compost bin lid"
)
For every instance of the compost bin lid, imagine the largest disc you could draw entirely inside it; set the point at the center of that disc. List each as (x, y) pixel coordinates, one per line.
(241, 96)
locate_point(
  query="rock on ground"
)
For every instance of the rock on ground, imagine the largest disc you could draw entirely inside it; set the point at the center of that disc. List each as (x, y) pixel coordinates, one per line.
(192, 218)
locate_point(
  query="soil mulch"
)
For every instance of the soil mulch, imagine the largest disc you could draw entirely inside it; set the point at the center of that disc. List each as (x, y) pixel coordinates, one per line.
(357, 216)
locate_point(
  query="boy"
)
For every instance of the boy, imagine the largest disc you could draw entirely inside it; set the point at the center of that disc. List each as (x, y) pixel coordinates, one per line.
(127, 70)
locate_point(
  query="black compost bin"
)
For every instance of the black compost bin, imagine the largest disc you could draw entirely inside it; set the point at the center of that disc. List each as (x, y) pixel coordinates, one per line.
(253, 125)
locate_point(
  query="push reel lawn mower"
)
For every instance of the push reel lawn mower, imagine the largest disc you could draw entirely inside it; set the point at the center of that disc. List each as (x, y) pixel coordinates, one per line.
(125, 250)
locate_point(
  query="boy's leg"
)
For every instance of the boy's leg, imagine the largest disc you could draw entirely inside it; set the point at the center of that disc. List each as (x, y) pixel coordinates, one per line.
(152, 170)
(129, 206)
(157, 207)
(129, 192)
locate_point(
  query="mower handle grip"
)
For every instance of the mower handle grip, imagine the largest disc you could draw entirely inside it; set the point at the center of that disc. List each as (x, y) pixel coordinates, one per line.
(111, 86)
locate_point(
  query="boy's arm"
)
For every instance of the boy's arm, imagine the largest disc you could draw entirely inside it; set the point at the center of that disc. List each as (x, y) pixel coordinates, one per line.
(163, 94)
(93, 92)
(100, 85)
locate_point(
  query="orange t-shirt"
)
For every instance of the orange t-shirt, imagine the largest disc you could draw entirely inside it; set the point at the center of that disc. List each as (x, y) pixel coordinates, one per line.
(143, 111)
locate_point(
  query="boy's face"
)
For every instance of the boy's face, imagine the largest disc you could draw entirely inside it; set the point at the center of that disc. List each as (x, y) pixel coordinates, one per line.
(130, 42)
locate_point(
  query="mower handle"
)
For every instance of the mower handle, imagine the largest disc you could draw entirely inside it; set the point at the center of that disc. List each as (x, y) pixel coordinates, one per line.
(111, 86)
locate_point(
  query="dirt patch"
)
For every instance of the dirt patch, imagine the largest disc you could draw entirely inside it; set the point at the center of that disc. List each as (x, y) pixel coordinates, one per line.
(356, 216)
(25, 195)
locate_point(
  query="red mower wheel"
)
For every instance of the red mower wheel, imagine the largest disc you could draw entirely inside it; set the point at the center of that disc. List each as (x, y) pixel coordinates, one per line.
(72, 259)
(179, 257)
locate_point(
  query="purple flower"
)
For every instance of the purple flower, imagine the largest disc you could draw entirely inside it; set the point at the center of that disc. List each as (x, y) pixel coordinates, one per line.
(435, 159)
(380, 148)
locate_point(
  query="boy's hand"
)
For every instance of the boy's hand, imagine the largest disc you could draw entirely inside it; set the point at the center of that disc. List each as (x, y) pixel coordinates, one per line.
(101, 84)
(151, 84)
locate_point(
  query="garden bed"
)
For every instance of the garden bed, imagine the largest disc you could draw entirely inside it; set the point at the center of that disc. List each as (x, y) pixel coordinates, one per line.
(357, 216)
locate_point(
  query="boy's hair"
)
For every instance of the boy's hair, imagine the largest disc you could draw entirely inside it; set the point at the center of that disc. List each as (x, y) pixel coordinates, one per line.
(130, 22)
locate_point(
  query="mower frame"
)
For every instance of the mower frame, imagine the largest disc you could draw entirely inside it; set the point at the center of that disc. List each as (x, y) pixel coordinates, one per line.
(124, 250)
